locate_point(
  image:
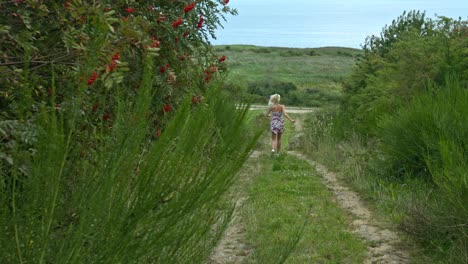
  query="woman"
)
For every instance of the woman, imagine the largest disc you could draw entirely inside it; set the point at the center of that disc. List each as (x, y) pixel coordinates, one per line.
(277, 122)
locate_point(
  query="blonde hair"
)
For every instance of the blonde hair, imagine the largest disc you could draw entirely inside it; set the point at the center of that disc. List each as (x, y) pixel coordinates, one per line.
(274, 100)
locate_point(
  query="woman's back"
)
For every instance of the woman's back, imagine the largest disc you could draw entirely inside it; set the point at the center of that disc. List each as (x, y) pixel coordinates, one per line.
(276, 108)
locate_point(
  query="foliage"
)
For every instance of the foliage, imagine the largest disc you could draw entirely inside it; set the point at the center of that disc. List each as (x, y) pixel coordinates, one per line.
(400, 133)
(136, 201)
(428, 139)
(116, 142)
(85, 54)
(392, 33)
(262, 90)
(398, 65)
(410, 139)
(439, 220)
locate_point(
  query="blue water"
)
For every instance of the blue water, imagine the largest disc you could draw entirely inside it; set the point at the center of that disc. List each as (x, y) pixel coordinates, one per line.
(310, 23)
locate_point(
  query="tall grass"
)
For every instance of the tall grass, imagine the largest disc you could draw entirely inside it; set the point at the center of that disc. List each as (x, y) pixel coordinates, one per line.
(414, 172)
(412, 137)
(136, 200)
(428, 138)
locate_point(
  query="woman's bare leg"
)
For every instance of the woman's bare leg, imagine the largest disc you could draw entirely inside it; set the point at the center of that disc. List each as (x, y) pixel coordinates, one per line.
(273, 139)
(278, 142)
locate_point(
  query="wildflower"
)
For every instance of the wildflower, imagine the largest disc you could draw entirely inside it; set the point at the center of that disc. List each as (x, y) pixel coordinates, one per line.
(172, 77)
(93, 78)
(189, 7)
(196, 99)
(116, 56)
(112, 66)
(211, 69)
(129, 10)
(160, 19)
(167, 108)
(95, 106)
(186, 34)
(66, 4)
(222, 58)
(200, 22)
(226, 2)
(155, 43)
(164, 68)
(178, 22)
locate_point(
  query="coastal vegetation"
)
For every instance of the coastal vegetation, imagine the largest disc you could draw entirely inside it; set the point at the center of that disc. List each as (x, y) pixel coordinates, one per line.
(123, 131)
(105, 110)
(400, 133)
(304, 77)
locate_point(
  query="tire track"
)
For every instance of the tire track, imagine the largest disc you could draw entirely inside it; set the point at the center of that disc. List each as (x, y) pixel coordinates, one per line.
(384, 244)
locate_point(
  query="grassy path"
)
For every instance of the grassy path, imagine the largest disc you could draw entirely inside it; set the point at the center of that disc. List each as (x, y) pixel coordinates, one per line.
(383, 244)
(233, 247)
(282, 198)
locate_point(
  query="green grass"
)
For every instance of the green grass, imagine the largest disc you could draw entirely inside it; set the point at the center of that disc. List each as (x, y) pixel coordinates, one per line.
(324, 69)
(139, 201)
(411, 204)
(286, 194)
(317, 73)
(287, 199)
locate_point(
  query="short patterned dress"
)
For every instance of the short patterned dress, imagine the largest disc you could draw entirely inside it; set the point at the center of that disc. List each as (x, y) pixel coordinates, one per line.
(277, 122)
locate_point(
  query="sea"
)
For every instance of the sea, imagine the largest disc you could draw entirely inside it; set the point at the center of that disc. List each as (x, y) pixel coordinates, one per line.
(312, 23)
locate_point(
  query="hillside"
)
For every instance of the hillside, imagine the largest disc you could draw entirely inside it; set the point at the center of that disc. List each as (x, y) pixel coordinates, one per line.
(304, 77)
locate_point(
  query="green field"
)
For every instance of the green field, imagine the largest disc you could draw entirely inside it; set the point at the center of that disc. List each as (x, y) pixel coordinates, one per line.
(315, 73)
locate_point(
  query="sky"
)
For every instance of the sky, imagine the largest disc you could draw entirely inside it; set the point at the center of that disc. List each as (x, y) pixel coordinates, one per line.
(311, 23)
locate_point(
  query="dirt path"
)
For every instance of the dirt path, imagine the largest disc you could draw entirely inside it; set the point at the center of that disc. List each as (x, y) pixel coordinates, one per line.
(383, 243)
(232, 248)
(289, 109)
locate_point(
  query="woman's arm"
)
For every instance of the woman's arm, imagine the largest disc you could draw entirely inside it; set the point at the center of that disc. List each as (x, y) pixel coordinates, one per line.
(287, 116)
(268, 112)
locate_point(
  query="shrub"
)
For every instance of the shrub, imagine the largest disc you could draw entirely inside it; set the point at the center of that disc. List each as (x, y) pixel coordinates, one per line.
(116, 147)
(133, 200)
(398, 65)
(260, 50)
(267, 88)
(312, 53)
(94, 50)
(428, 139)
(412, 136)
(439, 219)
(291, 53)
